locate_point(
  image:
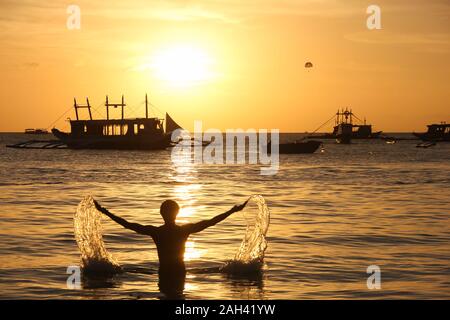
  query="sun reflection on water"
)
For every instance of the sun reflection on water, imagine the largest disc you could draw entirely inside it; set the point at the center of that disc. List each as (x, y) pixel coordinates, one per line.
(189, 286)
(186, 192)
(192, 252)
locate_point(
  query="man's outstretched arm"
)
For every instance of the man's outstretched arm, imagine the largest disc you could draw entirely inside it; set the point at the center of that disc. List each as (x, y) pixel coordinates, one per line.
(136, 227)
(202, 225)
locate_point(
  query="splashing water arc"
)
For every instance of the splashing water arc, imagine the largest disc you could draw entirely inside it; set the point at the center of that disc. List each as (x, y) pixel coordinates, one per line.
(97, 260)
(250, 256)
(88, 234)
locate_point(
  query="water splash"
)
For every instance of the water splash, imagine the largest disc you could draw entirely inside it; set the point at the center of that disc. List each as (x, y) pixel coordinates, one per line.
(88, 234)
(97, 260)
(249, 258)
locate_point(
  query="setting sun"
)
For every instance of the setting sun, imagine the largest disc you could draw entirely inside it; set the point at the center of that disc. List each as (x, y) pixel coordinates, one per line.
(181, 65)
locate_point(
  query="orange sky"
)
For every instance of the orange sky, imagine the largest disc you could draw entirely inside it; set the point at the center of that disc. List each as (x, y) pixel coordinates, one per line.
(253, 75)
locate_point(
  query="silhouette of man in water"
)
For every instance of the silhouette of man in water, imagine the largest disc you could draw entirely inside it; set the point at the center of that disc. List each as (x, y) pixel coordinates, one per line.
(170, 239)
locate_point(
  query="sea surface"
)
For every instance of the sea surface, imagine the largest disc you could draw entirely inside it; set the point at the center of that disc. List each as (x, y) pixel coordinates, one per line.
(333, 214)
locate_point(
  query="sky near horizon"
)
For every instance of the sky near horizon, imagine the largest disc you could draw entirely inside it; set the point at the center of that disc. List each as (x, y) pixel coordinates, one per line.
(231, 64)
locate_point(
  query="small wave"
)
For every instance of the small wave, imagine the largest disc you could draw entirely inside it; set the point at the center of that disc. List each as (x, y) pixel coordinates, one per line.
(37, 183)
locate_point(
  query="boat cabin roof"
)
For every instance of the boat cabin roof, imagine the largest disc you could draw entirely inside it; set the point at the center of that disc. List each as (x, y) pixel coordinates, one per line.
(117, 121)
(442, 125)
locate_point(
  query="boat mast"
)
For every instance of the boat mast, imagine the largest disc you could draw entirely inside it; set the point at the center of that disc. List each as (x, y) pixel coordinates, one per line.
(76, 107)
(123, 104)
(107, 108)
(344, 116)
(115, 105)
(81, 106)
(89, 108)
(146, 107)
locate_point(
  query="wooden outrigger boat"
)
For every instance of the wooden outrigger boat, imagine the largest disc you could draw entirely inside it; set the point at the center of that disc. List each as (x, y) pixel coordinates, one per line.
(138, 134)
(436, 133)
(346, 128)
(131, 134)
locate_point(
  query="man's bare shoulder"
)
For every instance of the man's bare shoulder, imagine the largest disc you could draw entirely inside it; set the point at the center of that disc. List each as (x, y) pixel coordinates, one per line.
(186, 227)
(149, 230)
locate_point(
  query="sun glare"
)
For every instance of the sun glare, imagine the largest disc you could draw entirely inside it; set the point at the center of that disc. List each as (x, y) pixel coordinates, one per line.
(182, 65)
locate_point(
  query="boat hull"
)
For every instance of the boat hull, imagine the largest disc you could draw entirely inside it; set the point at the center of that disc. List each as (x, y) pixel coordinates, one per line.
(373, 135)
(157, 142)
(297, 147)
(432, 137)
(343, 139)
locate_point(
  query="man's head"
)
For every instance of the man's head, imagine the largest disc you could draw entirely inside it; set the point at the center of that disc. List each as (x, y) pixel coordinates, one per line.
(169, 210)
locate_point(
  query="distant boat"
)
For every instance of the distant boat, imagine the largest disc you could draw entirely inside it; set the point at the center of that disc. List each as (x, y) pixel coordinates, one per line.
(346, 128)
(426, 144)
(296, 147)
(436, 132)
(133, 134)
(36, 131)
